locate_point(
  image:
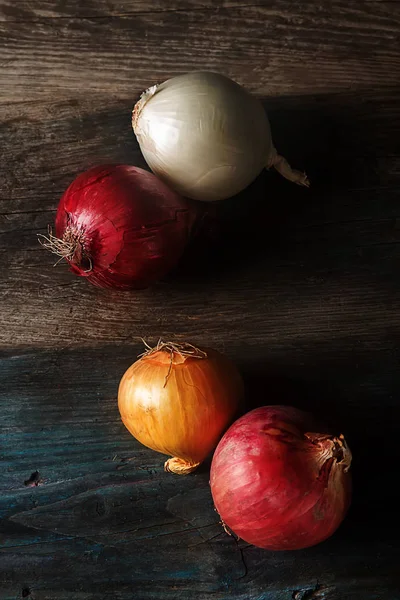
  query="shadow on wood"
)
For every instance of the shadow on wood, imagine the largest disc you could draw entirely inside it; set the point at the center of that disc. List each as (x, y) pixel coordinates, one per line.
(373, 441)
(334, 140)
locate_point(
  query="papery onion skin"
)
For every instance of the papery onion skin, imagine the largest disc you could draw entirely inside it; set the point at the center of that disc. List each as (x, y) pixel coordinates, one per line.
(180, 405)
(276, 483)
(126, 227)
(206, 136)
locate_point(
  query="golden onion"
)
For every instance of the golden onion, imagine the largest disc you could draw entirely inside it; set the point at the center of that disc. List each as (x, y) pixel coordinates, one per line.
(178, 399)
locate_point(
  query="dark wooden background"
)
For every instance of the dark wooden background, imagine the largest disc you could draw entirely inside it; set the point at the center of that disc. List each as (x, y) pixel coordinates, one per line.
(302, 290)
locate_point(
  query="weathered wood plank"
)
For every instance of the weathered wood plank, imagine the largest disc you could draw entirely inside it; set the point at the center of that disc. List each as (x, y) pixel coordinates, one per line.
(47, 9)
(276, 49)
(327, 274)
(336, 232)
(104, 499)
(343, 141)
(291, 282)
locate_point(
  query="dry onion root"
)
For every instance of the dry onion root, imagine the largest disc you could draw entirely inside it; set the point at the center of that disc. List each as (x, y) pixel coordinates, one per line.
(178, 399)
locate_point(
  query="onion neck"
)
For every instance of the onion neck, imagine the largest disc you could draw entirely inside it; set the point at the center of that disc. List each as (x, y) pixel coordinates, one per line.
(281, 165)
(174, 352)
(179, 466)
(330, 448)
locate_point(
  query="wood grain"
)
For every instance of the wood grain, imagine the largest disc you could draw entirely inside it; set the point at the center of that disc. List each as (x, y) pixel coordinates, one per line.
(47, 9)
(347, 221)
(299, 287)
(107, 519)
(275, 48)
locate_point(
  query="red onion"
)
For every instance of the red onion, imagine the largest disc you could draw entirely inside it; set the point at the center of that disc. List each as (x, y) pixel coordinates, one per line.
(121, 227)
(276, 483)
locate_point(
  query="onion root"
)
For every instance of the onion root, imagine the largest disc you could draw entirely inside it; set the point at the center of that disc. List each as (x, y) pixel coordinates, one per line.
(137, 109)
(179, 466)
(70, 247)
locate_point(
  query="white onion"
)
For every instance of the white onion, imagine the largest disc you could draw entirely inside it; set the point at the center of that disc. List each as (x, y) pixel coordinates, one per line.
(205, 136)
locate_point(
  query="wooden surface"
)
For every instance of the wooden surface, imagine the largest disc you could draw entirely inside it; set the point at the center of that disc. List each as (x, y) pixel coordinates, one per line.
(301, 290)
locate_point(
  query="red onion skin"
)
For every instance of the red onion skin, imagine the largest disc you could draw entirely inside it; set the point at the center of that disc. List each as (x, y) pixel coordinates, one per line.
(132, 227)
(275, 487)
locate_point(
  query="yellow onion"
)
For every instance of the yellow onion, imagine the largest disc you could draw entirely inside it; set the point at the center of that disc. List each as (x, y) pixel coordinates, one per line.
(178, 399)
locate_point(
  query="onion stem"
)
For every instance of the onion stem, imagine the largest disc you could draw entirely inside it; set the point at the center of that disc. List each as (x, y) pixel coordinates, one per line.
(332, 447)
(282, 166)
(185, 350)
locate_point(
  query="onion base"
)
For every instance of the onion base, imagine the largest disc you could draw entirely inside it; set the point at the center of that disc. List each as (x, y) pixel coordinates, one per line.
(179, 466)
(71, 247)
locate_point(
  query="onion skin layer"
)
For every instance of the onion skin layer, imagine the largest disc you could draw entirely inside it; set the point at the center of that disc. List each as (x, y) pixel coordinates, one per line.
(127, 228)
(180, 405)
(276, 485)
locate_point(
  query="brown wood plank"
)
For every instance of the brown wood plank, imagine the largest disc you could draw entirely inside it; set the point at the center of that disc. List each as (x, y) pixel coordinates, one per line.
(348, 218)
(326, 274)
(25, 10)
(346, 141)
(280, 48)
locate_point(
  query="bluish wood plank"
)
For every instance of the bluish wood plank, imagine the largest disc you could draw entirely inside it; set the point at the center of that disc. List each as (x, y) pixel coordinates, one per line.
(106, 514)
